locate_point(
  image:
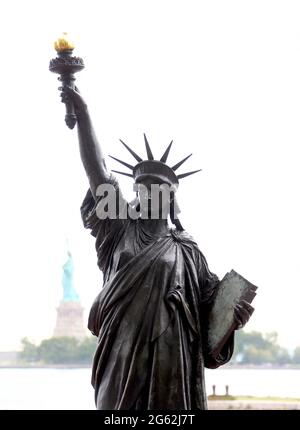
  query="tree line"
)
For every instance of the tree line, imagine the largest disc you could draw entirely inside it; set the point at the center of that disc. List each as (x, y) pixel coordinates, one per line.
(262, 348)
(59, 350)
(252, 348)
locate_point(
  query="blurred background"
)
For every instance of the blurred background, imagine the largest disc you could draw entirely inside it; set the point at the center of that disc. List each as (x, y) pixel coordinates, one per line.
(219, 78)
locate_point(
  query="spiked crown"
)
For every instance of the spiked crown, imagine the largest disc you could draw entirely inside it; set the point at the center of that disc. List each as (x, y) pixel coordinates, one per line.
(151, 168)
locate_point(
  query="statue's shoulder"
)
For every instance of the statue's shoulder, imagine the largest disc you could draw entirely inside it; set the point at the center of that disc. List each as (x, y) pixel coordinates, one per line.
(190, 244)
(184, 238)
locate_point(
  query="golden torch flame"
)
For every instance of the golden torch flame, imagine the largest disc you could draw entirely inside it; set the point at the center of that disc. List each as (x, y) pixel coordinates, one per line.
(63, 44)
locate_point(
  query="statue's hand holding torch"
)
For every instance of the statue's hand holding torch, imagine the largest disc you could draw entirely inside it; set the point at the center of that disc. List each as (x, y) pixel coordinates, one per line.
(66, 65)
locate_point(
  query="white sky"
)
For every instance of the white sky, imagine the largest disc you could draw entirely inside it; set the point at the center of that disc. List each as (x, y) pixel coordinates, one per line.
(221, 78)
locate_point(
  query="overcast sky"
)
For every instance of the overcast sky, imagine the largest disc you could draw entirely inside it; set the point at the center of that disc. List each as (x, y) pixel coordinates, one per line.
(220, 78)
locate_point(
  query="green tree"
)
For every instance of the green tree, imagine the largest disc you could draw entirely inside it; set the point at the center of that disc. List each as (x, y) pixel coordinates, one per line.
(283, 357)
(67, 350)
(87, 349)
(258, 348)
(30, 352)
(254, 355)
(296, 356)
(59, 350)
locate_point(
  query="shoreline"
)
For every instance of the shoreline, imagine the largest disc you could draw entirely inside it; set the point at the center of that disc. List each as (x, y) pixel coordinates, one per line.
(254, 404)
(46, 366)
(89, 365)
(261, 366)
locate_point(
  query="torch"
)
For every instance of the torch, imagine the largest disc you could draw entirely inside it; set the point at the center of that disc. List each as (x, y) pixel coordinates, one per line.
(66, 65)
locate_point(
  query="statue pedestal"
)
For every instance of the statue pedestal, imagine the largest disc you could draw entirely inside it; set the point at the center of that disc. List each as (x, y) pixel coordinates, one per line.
(69, 320)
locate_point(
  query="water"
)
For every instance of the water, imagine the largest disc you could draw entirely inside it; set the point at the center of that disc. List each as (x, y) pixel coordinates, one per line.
(46, 389)
(71, 388)
(255, 382)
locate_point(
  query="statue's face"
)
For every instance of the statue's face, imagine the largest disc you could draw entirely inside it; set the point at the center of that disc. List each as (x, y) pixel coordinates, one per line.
(155, 198)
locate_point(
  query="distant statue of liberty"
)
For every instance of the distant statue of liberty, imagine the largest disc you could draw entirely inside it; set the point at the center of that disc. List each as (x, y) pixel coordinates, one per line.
(69, 320)
(69, 292)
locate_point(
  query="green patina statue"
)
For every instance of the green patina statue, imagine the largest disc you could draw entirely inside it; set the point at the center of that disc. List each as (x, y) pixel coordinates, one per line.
(69, 292)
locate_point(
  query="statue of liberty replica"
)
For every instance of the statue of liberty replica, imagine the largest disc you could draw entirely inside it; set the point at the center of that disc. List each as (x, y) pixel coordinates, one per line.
(69, 320)
(154, 314)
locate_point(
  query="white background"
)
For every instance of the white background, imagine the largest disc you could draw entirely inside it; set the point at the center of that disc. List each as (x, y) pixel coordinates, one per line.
(221, 78)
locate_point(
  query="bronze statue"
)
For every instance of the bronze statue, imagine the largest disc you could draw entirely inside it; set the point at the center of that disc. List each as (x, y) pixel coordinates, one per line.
(152, 315)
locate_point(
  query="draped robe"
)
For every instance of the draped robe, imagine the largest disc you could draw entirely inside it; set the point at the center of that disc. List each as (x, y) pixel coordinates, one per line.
(150, 317)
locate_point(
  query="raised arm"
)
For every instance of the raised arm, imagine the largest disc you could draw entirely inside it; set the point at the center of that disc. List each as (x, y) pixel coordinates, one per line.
(90, 151)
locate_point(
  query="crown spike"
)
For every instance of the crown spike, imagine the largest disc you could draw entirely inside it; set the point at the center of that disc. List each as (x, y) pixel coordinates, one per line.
(131, 151)
(183, 175)
(180, 162)
(166, 153)
(122, 162)
(148, 149)
(123, 173)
